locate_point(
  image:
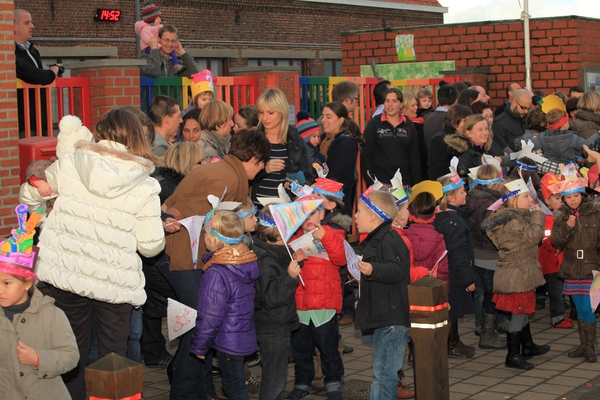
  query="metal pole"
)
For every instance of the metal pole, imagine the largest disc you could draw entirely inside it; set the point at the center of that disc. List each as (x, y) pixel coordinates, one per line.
(525, 17)
(138, 16)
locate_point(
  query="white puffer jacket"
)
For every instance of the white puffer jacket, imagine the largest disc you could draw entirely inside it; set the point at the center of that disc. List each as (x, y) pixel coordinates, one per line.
(107, 208)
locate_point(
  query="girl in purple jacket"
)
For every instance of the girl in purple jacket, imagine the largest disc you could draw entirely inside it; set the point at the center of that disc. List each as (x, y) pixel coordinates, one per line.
(225, 319)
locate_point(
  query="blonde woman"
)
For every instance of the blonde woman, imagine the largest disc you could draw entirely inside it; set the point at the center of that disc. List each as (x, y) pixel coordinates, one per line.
(588, 115)
(289, 158)
(179, 159)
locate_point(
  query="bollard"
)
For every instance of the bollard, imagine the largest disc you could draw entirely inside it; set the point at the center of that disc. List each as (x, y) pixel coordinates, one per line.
(428, 298)
(114, 378)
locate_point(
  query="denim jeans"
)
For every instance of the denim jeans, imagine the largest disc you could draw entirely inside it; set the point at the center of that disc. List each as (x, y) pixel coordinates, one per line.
(134, 349)
(555, 297)
(486, 278)
(191, 376)
(274, 349)
(325, 338)
(389, 346)
(232, 370)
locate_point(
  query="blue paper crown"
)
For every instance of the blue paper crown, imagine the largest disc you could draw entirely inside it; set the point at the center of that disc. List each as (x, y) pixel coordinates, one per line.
(452, 186)
(244, 213)
(374, 208)
(526, 167)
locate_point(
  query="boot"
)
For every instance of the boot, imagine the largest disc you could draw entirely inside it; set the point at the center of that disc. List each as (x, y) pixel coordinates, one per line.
(529, 348)
(456, 348)
(514, 359)
(589, 329)
(489, 339)
(579, 351)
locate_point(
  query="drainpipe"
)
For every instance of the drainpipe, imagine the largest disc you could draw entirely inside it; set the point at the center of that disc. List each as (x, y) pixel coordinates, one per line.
(138, 16)
(525, 17)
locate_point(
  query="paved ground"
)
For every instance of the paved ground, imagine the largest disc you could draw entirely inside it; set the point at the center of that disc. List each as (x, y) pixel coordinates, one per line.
(484, 376)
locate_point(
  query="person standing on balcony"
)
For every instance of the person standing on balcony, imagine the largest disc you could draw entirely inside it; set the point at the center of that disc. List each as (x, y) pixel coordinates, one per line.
(30, 70)
(165, 114)
(159, 62)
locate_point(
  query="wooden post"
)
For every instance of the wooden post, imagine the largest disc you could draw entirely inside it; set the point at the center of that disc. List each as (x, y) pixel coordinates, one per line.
(114, 378)
(428, 298)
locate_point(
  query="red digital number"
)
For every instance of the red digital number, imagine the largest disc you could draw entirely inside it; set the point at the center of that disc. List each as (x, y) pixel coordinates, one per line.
(117, 15)
(104, 15)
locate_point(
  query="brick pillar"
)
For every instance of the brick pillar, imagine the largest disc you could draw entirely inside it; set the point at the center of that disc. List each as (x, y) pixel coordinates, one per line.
(113, 83)
(9, 132)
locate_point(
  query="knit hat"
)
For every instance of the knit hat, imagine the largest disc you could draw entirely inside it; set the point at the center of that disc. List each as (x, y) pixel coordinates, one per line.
(71, 131)
(18, 255)
(307, 128)
(150, 12)
(328, 187)
(203, 82)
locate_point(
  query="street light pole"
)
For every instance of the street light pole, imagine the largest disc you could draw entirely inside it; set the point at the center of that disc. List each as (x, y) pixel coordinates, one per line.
(525, 17)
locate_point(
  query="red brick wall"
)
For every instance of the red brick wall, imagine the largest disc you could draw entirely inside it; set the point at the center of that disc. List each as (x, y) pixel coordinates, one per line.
(560, 49)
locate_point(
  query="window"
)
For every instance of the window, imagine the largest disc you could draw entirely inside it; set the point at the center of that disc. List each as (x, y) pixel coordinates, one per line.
(262, 62)
(218, 66)
(333, 67)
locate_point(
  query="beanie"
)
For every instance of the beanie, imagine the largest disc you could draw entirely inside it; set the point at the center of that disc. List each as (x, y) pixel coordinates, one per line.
(306, 128)
(150, 12)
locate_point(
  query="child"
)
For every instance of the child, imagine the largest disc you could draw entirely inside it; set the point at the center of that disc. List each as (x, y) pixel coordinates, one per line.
(551, 258)
(247, 212)
(318, 301)
(383, 301)
(485, 191)
(575, 230)
(454, 223)
(425, 100)
(226, 300)
(516, 228)
(44, 346)
(203, 88)
(309, 130)
(148, 29)
(275, 313)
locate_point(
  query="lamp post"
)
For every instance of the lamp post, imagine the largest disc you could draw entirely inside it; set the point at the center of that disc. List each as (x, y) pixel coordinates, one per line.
(525, 17)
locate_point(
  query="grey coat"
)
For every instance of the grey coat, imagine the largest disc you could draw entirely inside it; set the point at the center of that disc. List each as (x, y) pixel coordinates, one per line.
(155, 61)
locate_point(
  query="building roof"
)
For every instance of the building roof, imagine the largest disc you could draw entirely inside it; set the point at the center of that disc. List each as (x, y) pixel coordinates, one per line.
(431, 3)
(409, 5)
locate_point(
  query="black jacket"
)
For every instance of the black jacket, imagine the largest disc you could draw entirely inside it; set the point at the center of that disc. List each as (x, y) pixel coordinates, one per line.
(509, 129)
(275, 301)
(433, 124)
(480, 198)
(168, 179)
(341, 160)
(383, 299)
(439, 155)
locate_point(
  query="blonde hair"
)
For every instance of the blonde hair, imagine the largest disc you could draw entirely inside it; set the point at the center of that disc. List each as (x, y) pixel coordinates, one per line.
(268, 234)
(276, 100)
(473, 120)
(182, 156)
(509, 203)
(214, 114)
(228, 224)
(247, 205)
(589, 101)
(385, 201)
(444, 202)
(407, 97)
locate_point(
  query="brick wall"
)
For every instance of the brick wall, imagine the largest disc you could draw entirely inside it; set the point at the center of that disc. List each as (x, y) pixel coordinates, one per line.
(560, 49)
(9, 151)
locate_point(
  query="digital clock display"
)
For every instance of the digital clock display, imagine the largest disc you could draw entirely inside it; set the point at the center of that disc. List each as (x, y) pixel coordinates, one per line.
(104, 14)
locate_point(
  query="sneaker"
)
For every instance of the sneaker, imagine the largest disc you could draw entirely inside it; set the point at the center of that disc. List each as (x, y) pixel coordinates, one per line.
(348, 349)
(566, 323)
(404, 393)
(334, 396)
(254, 359)
(297, 394)
(253, 384)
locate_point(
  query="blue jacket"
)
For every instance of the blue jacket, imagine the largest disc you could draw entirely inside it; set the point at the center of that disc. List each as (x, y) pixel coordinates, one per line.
(226, 303)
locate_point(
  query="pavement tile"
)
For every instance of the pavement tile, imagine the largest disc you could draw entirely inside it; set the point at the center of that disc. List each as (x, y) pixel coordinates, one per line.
(467, 388)
(570, 381)
(535, 396)
(549, 388)
(524, 380)
(508, 389)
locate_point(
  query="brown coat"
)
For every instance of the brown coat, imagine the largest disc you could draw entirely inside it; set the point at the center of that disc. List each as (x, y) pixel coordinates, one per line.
(190, 198)
(586, 124)
(584, 237)
(516, 232)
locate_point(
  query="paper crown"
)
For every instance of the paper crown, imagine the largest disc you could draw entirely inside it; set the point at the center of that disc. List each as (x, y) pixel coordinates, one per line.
(203, 82)
(433, 187)
(283, 197)
(569, 186)
(548, 181)
(376, 210)
(328, 187)
(527, 151)
(150, 11)
(515, 188)
(551, 102)
(395, 187)
(18, 255)
(215, 202)
(487, 160)
(307, 128)
(456, 181)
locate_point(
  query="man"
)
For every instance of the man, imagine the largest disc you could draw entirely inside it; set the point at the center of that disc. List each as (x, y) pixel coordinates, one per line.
(446, 97)
(510, 90)
(379, 91)
(482, 94)
(346, 92)
(510, 126)
(165, 114)
(159, 62)
(30, 70)
(576, 92)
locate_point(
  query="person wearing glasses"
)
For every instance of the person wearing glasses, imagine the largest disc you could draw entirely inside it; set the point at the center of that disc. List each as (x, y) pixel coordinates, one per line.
(159, 63)
(347, 93)
(510, 126)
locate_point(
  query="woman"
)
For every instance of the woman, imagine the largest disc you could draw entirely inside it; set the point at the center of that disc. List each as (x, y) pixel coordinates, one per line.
(440, 154)
(216, 119)
(341, 156)
(246, 118)
(178, 161)
(470, 144)
(107, 209)
(411, 105)
(288, 151)
(588, 115)
(190, 129)
(467, 97)
(391, 144)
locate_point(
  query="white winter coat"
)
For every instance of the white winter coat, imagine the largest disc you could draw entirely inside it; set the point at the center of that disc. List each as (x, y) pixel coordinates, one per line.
(107, 208)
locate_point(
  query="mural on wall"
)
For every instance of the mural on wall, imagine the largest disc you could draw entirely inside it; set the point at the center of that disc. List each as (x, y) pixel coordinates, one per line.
(404, 47)
(416, 70)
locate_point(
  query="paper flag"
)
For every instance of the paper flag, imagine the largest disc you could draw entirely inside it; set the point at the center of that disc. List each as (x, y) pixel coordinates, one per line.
(290, 216)
(595, 290)
(536, 199)
(321, 171)
(312, 246)
(283, 197)
(194, 228)
(180, 318)
(352, 261)
(300, 191)
(527, 151)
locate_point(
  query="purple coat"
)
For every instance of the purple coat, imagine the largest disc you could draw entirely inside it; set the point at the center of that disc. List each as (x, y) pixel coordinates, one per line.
(226, 308)
(428, 246)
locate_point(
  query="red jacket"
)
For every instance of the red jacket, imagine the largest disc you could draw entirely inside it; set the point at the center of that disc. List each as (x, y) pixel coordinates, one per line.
(549, 256)
(322, 287)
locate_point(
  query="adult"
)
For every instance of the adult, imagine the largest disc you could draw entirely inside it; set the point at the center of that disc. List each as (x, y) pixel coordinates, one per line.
(495, 150)
(391, 143)
(576, 92)
(190, 128)
(246, 118)
(379, 91)
(468, 97)
(409, 108)
(510, 126)
(341, 155)
(346, 92)
(30, 69)
(588, 115)
(483, 96)
(446, 97)
(511, 88)
(439, 155)
(216, 119)
(165, 115)
(106, 209)
(249, 150)
(470, 143)
(159, 62)
(289, 157)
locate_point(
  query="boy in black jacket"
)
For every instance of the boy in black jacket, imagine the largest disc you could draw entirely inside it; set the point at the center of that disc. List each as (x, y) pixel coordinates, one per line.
(383, 299)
